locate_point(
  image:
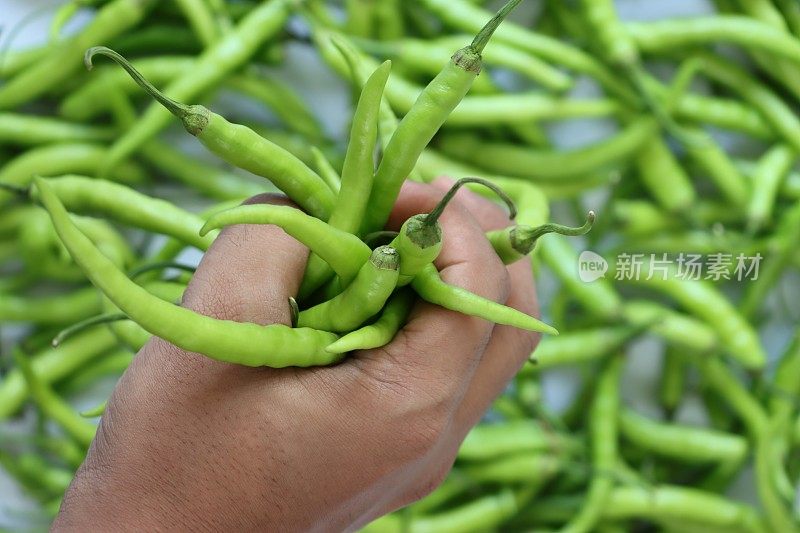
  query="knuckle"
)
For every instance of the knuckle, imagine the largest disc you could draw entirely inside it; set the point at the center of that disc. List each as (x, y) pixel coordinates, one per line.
(423, 436)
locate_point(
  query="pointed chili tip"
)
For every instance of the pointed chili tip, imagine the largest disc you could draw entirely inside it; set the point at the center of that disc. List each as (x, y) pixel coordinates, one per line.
(206, 228)
(333, 348)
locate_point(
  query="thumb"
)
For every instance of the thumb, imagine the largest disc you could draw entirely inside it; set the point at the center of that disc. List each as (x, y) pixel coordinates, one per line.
(249, 273)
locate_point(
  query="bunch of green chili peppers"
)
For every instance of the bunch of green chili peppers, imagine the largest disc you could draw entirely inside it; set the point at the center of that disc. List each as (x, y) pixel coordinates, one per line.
(93, 247)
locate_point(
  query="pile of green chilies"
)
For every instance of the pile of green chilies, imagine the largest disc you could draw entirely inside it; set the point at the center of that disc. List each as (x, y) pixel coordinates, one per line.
(92, 241)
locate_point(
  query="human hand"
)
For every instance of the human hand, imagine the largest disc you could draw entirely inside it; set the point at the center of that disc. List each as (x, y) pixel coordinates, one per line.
(191, 443)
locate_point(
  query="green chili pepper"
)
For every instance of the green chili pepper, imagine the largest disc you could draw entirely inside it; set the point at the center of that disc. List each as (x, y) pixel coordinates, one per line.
(756, 421)
(791, 12)
(239, 145)
(550, 165)
(201, 20)
(357, 172)
(466, 17)
(382, 331)
(667, 35)
(326, 171)
(438, 51)
(782, 402)
(682, 443)
(130, 333)
(13, 61)
(485, 513)
(791, 186)
(419, 241)
(57, 159)
(725, 113)
(213, 182)
(533, 470)
(775, 111)
(765, 11)
(19, 129)
(344, 252)
(64, 15)
(641, 218)
(431, 288)
(705, 302)
(210, 68)
(495, 441)
(531, 200)
(772, 169)
(781, 70)
(158, 39)
(52, 364)
(362, 299)
(275, 345)
(54, 407)
(389, 21)
(36, 474)
(14, 218)
(684, 505)
(672, 382)
(95, 412)
(125, 205)
(359, 163)
(421, 123)
(781, 406)
(516, 109)
(455, 485)
(517, 242)
(598, 297)
(47, 73)
(551, 510)
(579, 347)
(42, 250)
(620, 49)
(603, 428)
(720, 169)
(360, 17)
(57, 309)
(664, 177)
(359, 73)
